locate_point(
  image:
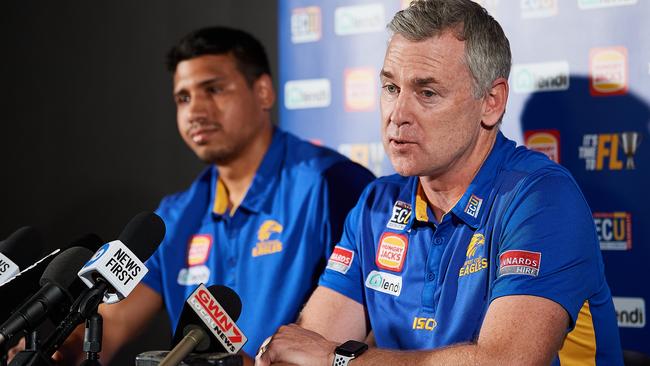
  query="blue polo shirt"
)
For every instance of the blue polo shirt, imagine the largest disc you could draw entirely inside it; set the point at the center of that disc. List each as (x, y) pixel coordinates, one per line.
(522, 228)
(272, 248)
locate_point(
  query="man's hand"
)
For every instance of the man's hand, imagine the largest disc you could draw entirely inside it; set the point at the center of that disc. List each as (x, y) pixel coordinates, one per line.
(295, 345)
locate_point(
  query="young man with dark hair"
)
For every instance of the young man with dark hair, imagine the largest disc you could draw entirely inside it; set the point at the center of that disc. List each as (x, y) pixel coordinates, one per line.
(261, 219)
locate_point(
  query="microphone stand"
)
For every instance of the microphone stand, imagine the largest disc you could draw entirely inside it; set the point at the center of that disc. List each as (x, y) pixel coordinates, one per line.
(83, 308)
(93, 340)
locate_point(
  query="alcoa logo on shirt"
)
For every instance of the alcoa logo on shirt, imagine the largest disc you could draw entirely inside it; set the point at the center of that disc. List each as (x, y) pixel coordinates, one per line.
(266, 245)
(384, 282)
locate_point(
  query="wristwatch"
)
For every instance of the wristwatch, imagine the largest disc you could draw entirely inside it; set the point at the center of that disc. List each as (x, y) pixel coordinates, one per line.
(347, 352)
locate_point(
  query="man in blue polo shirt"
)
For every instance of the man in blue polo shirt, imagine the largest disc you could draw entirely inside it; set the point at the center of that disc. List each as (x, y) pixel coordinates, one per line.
(261, 219)
(479, 252)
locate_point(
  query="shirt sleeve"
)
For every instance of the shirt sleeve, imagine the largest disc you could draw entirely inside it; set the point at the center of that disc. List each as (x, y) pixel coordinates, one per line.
(153, 278)
(548, 246)
(343, 271)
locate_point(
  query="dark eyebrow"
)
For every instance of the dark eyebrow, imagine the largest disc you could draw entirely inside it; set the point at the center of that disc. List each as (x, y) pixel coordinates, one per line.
(386, 74)
(424, 81)
(202, 84)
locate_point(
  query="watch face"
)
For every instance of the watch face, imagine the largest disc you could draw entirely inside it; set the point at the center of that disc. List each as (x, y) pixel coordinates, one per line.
(351, 348)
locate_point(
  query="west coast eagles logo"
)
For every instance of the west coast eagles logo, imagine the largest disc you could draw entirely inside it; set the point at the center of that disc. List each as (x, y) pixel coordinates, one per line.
(474, 259)
(267, 237)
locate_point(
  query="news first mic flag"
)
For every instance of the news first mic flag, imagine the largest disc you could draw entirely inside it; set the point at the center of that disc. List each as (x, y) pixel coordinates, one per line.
(8, 269)
(215, 318)
(119, 266)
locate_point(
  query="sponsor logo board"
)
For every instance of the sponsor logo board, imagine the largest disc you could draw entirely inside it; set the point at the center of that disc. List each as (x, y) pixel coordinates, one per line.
(539, 77)
(545, 141)
(307, 93)
(608, 71)
(630, 311)
(306, 24)
(614, 230)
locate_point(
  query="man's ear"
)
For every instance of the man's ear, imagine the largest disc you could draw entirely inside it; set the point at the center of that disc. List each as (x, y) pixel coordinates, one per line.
(494, 103)
(264, 92)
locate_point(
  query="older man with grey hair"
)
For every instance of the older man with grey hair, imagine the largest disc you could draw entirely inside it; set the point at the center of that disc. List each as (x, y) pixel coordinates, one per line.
(478, 252)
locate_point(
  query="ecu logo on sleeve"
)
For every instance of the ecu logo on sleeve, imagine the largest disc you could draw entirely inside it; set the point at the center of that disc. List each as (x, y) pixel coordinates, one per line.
(340, 260)
(522, 262)
(391, 251)
(400, 216)
(199, 249)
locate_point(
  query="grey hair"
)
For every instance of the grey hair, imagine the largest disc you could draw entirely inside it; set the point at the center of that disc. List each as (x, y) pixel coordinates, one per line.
(487, 50)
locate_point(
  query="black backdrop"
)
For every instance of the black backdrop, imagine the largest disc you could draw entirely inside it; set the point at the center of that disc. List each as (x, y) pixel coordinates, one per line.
(88, 133)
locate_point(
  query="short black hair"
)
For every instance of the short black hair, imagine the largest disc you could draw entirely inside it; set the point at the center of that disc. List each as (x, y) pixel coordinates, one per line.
(248, 52)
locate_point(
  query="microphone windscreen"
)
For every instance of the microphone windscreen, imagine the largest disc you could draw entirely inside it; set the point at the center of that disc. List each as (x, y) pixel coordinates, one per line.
(62, 271)
(89, 241)
(143, 234)
(230, 304)
(24, 247)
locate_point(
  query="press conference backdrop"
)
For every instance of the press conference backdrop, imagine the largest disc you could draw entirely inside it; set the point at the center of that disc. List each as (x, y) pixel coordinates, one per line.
(579, 92)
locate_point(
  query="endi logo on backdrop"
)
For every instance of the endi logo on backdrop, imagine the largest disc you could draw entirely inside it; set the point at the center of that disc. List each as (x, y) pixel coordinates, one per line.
(610, 151)
(608, 71)
(360, 89)
(630, 311)
(359, 19)
(399, 216)
(267, 236)
(370, 155)
(199, 249)
(614, 230)
(391, 251)
(475, 260)
(595, 4)
(307, 93)
(538, 8)
(543, 76)
(305, 24)
(545, 141)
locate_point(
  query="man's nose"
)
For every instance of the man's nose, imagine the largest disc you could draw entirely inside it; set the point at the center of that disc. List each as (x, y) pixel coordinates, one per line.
(402, 110)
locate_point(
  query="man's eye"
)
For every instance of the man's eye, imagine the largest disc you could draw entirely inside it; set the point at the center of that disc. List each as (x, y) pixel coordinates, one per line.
(182, 99)
(428, 93)
(391, 89)
(213, 90)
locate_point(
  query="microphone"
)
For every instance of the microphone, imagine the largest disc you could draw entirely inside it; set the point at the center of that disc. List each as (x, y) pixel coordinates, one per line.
(18, 251)
(15, 291)
(111, 274)
(57, 293)
(207, 324)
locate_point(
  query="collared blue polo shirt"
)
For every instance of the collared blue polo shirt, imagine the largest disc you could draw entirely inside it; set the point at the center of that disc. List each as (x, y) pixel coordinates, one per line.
(522, 228)
(272, 248)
